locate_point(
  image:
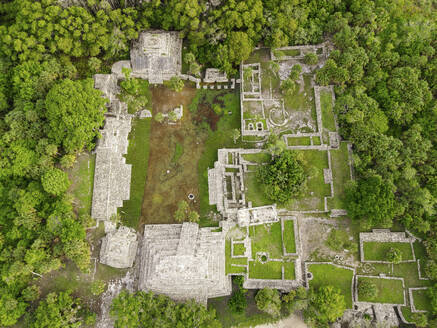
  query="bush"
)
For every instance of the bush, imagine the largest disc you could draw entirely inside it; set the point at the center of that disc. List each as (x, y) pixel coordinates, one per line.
(394, 255)
(237, 303)
(98, 287)
(367, 289)
(311, 59)
(268, 300)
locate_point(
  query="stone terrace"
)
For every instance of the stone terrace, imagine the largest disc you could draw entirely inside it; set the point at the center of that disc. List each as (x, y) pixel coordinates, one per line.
(184, 262)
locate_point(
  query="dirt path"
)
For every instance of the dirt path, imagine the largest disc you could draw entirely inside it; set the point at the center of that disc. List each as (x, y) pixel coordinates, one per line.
(291, 322)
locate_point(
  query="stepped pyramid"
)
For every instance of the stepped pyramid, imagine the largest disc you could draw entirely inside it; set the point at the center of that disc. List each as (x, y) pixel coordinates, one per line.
(184, 262)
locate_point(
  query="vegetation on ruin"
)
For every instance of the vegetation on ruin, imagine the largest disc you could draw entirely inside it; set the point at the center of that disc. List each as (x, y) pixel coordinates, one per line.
(383, 70)
(138, 156)
(283, 177)
(145, 310)
(377, 251)
(330, 275)
(388, 291)
(289, 239)
(326, 305)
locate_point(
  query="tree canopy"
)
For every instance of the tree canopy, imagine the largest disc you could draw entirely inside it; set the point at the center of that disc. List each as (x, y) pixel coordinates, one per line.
(145, 310)
(75, 113)
(283, 177)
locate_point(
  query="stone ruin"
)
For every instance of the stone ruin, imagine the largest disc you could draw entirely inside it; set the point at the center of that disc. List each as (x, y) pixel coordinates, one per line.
(112, 174)
(157, 56)
(257, 215)
(184, 262)
(119, 248)
(214, 75)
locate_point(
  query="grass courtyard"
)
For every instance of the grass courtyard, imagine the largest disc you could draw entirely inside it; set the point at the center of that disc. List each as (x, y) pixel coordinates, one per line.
(313, 197)
(266, 238)
(328, 119)
(270, 270)
(389, 291)
(138, 156)
(377, 251)
(289, 238)
(82, 177)
(422, 301)
(327, 274)
(340, 175)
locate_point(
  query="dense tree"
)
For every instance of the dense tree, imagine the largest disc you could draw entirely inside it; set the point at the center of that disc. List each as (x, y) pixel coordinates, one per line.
(327, 305)
(283, 177)
(372, 199)
(74, 113)
(55, 181)
(268, 300)
(394, 255)
(60, 310)
(145, 310)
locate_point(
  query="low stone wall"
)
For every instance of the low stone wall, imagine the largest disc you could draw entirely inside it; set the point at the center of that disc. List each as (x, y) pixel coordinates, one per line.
(330, 263)
(384, 236)
(355, 290)
(410, 294)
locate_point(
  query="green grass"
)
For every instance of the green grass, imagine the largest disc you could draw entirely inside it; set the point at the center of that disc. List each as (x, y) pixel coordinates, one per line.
(389, 291)
(230, 269)
(257, 158)
(239, 249)
(406, 312)
(138, 156)
(421, 300)
(299, 141)
(318, 160)
(408, 271)
(291, 52)
(328, 119)
(221, 138)
(316, 141)
(255, 192)
(82, 177)
(266, 238)
(179, 150)
(289, 239)
(269, 270)
(340, 175)
(289, 272)
(330, 275)
(420, 253)
(268, 78)
(377, 251)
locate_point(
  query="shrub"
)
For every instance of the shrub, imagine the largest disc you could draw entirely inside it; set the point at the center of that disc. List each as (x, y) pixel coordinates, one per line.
(367, 289)
(98, 287)
(237, 303)
(311, 59)
(268, 300)
(394, 255)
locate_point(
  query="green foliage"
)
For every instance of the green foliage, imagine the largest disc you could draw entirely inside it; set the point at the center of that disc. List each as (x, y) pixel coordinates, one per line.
(98, 287)
(327, 304)
(283, 177)
(183, 213)
(59, 310)
(268, 300)
(144, 310)
(367, 289)
(55, 181)
(74, 113)
(394, 255)
(311, 58)
(175, 84)
(432, 294)
(237, 303)
(338, 240)
(371, 200)
(159, 117)
(420, 319)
